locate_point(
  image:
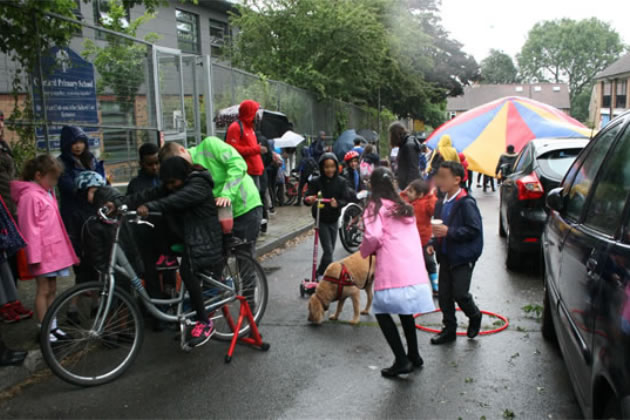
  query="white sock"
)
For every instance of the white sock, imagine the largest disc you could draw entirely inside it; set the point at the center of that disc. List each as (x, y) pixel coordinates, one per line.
(53, 325)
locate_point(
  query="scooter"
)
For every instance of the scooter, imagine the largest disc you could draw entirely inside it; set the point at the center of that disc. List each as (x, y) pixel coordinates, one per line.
(308, 286)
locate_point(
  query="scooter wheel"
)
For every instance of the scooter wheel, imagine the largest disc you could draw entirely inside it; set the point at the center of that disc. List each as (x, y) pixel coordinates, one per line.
(302, 291)
(265, 346)
(228, 359)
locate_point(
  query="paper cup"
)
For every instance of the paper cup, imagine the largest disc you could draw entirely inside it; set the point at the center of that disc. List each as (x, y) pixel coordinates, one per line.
(436, 222)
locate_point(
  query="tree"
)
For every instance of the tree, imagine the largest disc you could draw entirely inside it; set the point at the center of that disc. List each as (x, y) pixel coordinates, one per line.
(391, 52)
(569, 51)
(498, 68)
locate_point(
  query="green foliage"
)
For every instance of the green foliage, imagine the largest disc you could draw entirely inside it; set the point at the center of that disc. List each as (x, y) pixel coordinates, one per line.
(121, 62)
(581, 103)
(353, 50)
(498, 68)
(569, 51)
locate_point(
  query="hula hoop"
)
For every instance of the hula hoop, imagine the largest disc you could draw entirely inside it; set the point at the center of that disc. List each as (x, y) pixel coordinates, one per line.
(506, 323)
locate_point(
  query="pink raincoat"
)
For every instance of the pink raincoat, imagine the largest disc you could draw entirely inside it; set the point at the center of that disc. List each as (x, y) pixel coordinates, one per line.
(48, 247)
(396, 243)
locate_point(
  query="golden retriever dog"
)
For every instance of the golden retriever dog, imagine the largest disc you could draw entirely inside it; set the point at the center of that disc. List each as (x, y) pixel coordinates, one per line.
(361, 275)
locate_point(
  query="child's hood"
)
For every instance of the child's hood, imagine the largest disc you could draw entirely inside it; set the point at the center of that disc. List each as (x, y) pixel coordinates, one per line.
(21, 188)
(323, 159)
(388, 207)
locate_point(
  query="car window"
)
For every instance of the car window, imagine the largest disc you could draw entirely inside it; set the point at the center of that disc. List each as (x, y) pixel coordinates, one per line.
(578, 191)
(611, 191)
(523, 160)
(556, 163)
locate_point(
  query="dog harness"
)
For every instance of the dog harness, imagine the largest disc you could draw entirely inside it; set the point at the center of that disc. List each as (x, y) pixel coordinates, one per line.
(345, 279)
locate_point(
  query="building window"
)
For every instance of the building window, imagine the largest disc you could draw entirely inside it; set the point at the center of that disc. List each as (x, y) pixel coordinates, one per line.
(218, 35)
(102, 16)
(622, 92)
(187, 32)
(451, 115)
(606, 94)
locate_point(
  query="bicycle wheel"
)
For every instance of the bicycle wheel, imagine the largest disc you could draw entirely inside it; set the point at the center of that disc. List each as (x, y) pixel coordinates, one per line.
(86, 357)
(250, 282)
(349, 232)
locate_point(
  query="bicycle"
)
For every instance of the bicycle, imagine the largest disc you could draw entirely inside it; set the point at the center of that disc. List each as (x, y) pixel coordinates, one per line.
(350, 231)
(107, 338)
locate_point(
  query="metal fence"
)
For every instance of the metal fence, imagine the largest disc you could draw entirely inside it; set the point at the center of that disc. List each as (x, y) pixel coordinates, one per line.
(124, 92)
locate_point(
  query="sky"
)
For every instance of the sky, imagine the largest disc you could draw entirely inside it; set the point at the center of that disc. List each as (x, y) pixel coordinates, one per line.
(503, 24)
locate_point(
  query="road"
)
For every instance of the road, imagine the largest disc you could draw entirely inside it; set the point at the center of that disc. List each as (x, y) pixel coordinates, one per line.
(332, 371)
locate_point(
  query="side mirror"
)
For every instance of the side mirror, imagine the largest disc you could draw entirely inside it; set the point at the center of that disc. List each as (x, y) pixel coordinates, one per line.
(555, 200)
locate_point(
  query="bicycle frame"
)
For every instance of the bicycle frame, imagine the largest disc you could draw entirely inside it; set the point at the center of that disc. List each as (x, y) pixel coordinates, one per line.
(120, 264)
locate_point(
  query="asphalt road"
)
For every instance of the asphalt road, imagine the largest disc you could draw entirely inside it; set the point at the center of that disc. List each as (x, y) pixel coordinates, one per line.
(332, 371)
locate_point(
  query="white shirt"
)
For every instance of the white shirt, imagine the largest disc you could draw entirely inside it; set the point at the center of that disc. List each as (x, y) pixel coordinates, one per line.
(448, 200)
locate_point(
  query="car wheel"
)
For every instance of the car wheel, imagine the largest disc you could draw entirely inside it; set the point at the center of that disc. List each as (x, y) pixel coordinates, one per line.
(547, 328)
(514, 258)
(502, 232)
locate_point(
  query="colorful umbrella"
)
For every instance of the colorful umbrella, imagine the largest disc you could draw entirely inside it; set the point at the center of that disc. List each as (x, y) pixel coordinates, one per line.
(483, 133)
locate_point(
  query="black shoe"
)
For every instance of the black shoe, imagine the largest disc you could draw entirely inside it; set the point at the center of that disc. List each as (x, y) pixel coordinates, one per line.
(12, 357)
(397, 369)
(416, 361)
(444, 337)
(474, 325)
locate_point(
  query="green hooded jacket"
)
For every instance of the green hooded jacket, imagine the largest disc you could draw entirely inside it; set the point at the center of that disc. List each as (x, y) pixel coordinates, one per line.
(229, 172)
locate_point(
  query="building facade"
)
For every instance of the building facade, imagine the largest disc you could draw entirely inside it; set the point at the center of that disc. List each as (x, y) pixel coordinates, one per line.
(610, 92)
(554, 94)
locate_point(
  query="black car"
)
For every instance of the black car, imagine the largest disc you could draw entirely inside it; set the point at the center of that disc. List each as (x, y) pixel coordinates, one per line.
(537, 170)
(586, 254)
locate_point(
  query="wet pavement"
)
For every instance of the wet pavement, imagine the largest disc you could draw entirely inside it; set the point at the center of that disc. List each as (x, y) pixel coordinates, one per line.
(332, 371)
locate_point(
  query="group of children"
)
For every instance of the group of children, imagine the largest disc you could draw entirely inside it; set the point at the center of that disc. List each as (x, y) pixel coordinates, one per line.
(406, 231)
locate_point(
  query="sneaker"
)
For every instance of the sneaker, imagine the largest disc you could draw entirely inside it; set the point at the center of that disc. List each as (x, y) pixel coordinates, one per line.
(166, 262)
(8, 314)
(200, 333)
(434, 282)
(20, 310)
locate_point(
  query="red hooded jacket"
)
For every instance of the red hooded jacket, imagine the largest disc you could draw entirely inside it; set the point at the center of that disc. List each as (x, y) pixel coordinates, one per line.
(423, 208)
(245, 142)
(464, 162)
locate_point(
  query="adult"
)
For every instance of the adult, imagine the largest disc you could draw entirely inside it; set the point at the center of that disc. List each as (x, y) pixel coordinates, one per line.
(267, 159)
(507, 159)
(232, 185)
(408, 154)
(76, 158)
(445, 152)
(7, 174)
(318, 146)
(242, 137)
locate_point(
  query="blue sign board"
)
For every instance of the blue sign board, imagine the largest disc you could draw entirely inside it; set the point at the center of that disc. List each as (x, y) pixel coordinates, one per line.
(70, 93)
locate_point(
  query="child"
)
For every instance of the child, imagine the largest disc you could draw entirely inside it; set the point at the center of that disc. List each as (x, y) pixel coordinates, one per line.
(401, 285)
(186, 201)
(351, 171)
(458, 243)
(49, 252)
(335, 188)
(420, 196)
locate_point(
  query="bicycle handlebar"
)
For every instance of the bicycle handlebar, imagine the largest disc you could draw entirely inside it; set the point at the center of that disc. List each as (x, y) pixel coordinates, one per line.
(123, 212)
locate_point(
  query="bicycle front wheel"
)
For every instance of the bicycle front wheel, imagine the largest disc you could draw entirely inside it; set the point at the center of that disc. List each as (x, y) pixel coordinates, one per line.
(79, 352)
(350, 233)
(251, 283)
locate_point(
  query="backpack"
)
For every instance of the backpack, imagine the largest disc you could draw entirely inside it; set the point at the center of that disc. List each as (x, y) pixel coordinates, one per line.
(365, 169)
(240, 125)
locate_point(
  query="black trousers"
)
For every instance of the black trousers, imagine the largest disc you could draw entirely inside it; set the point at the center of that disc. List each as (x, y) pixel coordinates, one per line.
(454, 286)
(152, 244)
(247, 227)
(327, 237)
(488, 180)
(303, 180)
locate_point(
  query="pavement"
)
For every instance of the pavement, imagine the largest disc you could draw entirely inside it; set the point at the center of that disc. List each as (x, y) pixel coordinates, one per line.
(286, 224)
(332, 371)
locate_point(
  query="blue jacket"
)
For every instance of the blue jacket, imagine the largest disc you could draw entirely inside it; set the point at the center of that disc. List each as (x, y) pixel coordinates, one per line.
(67, 194)
(464, 240)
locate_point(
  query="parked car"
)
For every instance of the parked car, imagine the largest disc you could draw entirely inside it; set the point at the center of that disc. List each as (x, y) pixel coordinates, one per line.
(538, 169)
(586, 266)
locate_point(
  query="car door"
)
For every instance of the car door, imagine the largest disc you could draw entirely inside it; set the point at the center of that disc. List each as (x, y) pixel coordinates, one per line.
(509, 189)
(588, 239)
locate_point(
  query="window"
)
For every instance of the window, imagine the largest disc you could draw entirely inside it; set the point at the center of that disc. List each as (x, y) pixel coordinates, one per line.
(78, 32)
(622, 92)
(577, 192)
(218, 34)
(102, 10)
(187, 32)
(119, 144)
(611, 192)
(452, 115)
(523, 161)
(606, 94)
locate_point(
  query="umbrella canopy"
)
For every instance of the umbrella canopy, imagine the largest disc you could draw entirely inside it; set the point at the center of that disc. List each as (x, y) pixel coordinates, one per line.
(288, 139)
(483, 133)
(345, 142)
(370, 135)
(272, 124)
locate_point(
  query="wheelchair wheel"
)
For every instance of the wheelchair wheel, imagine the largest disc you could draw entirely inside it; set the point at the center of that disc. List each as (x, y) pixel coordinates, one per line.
(350, 233)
